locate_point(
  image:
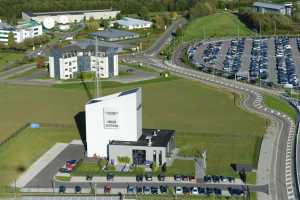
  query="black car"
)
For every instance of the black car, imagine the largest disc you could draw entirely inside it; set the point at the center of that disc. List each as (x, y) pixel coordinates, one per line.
(89, 178)
(208, 191)
(218, 191)
(201, 190)
(207, 178)
(186, 190)
(148, 176)
(177, 178)
(139, 190)
(109, 176)
(161, 177)
(163, 189)
(62, 189)
(77, 189)
(139, 178)
(216, 179)
(154, 190)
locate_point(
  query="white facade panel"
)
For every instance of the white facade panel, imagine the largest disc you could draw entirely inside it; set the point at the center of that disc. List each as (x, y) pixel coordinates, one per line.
(111, 118)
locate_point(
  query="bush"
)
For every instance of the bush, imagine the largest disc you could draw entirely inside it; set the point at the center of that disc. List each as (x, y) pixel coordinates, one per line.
(102, 163)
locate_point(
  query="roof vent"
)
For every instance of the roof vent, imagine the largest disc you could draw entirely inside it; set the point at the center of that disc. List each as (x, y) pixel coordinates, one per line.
(154, 133)
(149, 138)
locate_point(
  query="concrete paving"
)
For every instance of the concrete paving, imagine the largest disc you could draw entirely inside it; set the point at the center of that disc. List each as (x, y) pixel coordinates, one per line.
(45, 177)
(272, 71)
(40, 164)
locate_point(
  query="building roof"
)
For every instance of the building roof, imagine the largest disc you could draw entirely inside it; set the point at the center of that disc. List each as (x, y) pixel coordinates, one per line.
(27, 24)
(5, 26)
(74, 12)
(114, 33)
(87, 45)
(115, 95)
(127, 21)
(159, 138)
(269, 5)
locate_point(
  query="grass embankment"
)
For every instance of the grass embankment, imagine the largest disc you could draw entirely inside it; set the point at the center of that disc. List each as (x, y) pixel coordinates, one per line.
(215, 26)
(280, 105)
(185, 167)
(9, 58)
(204, 119)
(19, 153)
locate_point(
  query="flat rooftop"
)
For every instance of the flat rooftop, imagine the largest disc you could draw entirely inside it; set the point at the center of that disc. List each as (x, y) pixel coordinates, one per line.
(132, 21)
(71, 12)
(114, 33)
(5, 26)
(269, 5)
(159, 138)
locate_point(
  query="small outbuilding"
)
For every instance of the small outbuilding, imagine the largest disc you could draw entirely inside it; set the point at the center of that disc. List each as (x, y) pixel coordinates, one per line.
(111, 35)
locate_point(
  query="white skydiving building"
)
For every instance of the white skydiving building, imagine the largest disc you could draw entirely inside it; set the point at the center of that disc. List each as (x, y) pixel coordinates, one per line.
(114, 117)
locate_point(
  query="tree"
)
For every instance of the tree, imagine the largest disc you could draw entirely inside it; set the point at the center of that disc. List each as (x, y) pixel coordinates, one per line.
(40, 62)
(2, 46)
(92, 25)
(202, 8)
(11, 40)
(143, 12)
(124, 159)
(164, 168)
(159, 22)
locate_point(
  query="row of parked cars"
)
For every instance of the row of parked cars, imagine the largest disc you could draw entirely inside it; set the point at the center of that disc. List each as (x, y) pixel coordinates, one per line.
(232, 62)
(219, 179)
(210, 54)
(259, 60)
(68, 166)
(284, 63)
(162, 189)
(148, 176)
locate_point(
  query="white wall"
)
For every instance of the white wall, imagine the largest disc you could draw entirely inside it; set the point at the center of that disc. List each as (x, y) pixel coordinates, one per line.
(98, 136)
(116, 65)
(51, 67)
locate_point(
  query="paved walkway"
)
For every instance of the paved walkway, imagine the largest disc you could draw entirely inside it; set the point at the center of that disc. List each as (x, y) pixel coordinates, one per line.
(40, 164)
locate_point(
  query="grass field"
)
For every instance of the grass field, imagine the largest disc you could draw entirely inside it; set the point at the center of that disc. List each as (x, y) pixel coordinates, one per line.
(9, 57)
(218, 25)
(280, 105)
(203, 117)
(20, 152)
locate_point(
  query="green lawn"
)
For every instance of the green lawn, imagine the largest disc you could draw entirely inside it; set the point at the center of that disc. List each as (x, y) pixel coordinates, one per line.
(280, 105)
(213, 26)
(20, 152)
(9, 57)
(203, 117)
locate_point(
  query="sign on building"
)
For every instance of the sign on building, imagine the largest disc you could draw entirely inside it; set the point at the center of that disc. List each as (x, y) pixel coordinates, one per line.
(111, 118)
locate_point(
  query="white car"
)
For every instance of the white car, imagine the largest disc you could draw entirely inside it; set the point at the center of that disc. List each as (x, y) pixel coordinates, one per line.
(195, 191)
(178, 190)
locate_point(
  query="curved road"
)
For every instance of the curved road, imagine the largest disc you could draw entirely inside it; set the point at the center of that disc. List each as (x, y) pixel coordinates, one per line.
(274, 164)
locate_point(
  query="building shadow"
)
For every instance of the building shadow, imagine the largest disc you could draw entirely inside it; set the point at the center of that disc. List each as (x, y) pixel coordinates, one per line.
(80, 123)
(86, 88)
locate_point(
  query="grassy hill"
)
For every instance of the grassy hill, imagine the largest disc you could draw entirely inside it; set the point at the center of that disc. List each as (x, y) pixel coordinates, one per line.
(218, 25)
(203, 117)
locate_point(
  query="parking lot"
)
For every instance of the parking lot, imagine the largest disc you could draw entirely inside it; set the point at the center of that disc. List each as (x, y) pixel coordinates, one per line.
(257, 60)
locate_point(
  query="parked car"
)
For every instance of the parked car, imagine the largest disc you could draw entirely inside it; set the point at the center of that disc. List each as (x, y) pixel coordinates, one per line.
(146, 190)
(154, 190)
(161, 177)
(62, 189)
(195, 191)
(201, 190)
(139, 190)
(148, 176)
(177, 178)
(163, 189)
(178, 190)
(107, 189)
(139, 178)
(110, 176)
(186, 190)
(131, 189)
(77, 189)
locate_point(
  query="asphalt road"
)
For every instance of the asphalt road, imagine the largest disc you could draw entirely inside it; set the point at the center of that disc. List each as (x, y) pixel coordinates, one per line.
(277, 179)
(166, 37)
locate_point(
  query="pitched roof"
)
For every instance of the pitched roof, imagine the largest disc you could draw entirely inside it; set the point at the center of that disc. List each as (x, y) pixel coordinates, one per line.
(269, 5)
